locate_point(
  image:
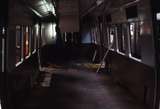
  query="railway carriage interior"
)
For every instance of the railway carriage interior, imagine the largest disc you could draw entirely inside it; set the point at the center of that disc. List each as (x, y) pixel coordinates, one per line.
(79, 54)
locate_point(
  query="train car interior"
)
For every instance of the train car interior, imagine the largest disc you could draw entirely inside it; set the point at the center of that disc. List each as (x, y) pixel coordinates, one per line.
(79, 54)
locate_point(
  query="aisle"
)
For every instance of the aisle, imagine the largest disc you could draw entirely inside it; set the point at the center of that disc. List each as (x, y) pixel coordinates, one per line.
(75, 88)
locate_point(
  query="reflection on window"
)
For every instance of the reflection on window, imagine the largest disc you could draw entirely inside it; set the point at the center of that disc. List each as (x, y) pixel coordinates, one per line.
(132, 12)
(36, 35)
(35, 40)
(18, 45)
(0, 105)
(26, 42)
(121, 37)
(32, 39)
(65, 36)
(97, 35)
(112, 34)
(158, 16)
(105, 39)
(135, 47)
(93, 37)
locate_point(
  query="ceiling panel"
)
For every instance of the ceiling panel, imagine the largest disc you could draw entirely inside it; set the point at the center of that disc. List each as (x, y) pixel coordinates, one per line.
(85, 4)
(41, 8)
(68, 7)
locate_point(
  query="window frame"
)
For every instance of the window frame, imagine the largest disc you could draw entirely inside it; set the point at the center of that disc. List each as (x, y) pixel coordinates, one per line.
(112, 44)
(135, 53)
(123, 36)
(20, 28)
(26, 36)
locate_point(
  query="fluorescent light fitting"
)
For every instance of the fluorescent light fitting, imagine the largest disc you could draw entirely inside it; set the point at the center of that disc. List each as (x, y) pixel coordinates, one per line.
(45, 3)
(36, 12)
(99, 2)
(52, 9)
(47, 7)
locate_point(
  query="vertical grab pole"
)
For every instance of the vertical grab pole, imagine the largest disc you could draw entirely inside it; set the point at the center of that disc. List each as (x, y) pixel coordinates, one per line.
(101, 63)
(39, 47)
(3, 53)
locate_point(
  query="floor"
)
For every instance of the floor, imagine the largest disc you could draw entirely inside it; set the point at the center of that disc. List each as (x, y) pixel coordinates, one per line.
(77, 87)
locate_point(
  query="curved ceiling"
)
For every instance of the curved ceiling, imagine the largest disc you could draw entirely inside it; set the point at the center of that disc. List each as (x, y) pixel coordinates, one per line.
(41, 8)
(100, 6)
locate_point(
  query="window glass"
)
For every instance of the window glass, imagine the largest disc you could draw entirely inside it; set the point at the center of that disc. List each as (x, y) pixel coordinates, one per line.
(32, 39)
(102, 38)
(132, 12)
(93, 34)
(37, 35)
(158, 16)
(135, 48)
(108, 33)
(75, 38)
(18, 44)
(26, 41)
(106, 37)
(112, 35)
(35, 39)
(63, 36)
(121, 37)
(33, 36)
(97, 32)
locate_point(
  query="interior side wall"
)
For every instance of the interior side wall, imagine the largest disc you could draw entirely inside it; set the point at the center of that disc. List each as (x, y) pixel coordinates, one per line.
(137, 77)
(18, 15)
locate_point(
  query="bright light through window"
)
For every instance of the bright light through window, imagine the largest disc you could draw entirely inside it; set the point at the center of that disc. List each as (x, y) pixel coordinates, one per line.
(111, 37)
(132, 29)
(0, 106)
(37, 29)
(158, 16)
(52, 31)
(52, 9)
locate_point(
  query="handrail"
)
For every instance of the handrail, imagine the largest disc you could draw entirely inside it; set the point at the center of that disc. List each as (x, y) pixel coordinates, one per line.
(101, 63)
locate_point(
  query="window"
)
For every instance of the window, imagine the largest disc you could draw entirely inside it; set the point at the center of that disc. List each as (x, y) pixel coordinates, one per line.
(33, 39)
(65, 37)
(93, 37)
(97, 33)
(18, 45)
(26, 41)
(132, 12)
(158, 16)
(106, 37)
(112, 35)
(75, 38)
(134, 32)
(37, 35)
(121, 34)
(108, 18)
